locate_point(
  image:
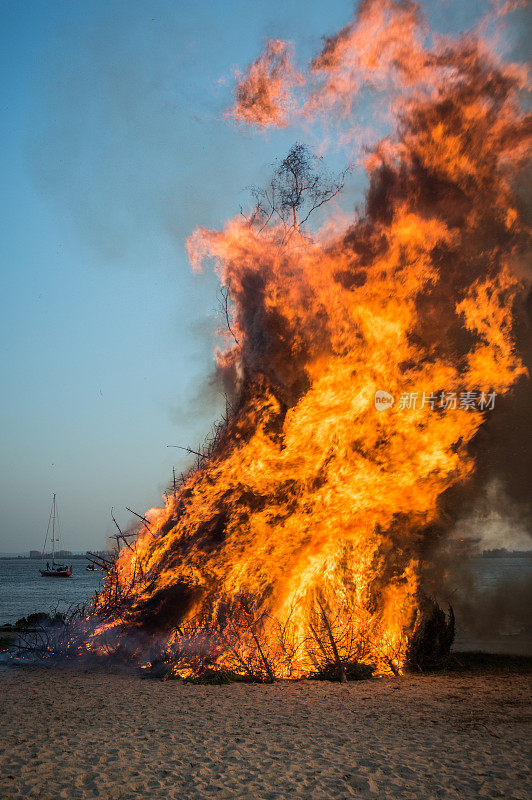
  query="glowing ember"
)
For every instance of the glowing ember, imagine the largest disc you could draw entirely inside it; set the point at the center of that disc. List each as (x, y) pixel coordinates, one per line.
(301, 531)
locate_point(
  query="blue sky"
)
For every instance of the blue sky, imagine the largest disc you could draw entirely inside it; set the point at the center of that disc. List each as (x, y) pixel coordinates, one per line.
(114, 147)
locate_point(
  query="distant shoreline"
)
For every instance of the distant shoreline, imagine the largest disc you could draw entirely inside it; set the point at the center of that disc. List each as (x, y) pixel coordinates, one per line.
(503, 553)
(35, 558)
(48, 556)
(497, 553)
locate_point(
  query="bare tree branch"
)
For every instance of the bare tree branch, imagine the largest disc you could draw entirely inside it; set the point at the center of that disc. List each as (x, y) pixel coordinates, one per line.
(224, 305)
(299, 187)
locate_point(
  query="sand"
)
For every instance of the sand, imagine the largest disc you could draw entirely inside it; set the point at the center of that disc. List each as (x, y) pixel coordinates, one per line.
(69, 734)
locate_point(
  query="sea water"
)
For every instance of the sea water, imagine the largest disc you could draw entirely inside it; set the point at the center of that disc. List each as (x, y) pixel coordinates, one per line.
(23, 591)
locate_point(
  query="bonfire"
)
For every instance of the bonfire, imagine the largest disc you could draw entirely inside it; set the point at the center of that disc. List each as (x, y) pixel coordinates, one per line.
(363, 353)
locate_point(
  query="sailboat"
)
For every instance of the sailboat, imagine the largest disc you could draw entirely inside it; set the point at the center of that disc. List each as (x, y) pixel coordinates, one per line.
(53, 570)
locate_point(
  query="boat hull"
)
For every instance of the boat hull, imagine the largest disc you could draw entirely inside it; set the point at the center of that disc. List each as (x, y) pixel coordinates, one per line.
(48, 573)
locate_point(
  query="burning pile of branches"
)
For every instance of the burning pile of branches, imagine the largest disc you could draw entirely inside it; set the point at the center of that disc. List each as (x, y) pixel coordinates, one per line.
(295, 546)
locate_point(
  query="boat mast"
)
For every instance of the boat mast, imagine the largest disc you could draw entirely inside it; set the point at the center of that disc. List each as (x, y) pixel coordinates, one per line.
(53, 530)
(47, 532)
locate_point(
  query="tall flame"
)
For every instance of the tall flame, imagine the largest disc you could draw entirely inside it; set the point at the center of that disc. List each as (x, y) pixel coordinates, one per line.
(314, 507)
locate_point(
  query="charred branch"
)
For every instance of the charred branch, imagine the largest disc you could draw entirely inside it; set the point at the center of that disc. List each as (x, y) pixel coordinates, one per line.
(337, 660)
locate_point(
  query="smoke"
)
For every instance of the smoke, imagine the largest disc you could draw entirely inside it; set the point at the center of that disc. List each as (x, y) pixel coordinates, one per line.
(490, 596)
(495, 521)
(308, 491)
(502, 446)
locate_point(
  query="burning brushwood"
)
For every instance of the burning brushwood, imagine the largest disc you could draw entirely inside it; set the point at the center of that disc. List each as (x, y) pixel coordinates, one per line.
(360, 357)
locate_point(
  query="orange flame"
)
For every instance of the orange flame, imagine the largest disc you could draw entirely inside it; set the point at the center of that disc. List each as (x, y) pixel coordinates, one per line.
(264, 94)
(313, 499)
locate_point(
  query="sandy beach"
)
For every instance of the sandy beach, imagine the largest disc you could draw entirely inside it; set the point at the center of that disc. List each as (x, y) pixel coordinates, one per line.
(69, 734)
